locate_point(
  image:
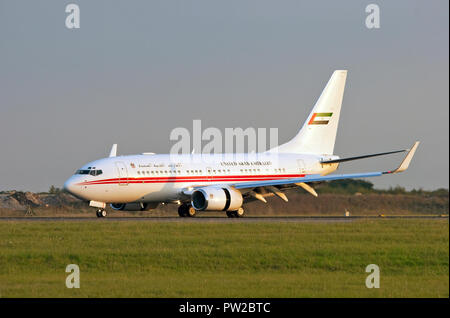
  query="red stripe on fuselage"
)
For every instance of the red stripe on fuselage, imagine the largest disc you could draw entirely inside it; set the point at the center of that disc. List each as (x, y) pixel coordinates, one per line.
(172, 179)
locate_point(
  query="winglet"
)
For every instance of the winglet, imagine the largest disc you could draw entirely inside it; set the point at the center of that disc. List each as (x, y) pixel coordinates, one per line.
(113, 152)
(405, 163)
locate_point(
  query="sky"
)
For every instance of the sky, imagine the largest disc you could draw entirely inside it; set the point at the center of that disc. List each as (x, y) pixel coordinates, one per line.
(135, 70)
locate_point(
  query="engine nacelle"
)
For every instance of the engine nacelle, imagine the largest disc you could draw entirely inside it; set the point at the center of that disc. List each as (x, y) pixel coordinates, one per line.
(216, 199)
(130, 206)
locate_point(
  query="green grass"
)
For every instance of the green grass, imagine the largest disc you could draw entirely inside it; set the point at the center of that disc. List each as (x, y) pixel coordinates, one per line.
(146, 259)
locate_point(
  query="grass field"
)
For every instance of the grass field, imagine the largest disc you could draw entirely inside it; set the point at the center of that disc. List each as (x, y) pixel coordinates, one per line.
(146, 259)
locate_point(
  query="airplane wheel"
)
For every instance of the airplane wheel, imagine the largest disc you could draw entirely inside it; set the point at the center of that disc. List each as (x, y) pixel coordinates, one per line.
(236, 214)
(239, 212)
(183, 210)
(101, 213)
(191, 211)
(230, 214)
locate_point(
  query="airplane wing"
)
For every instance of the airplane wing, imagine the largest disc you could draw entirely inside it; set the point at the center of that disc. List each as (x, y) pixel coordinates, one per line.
(253, 189)
(313, 178)
(310, 178)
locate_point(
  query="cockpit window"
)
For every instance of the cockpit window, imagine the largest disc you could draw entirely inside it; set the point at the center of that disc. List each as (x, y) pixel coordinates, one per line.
(96, 172)
(92, 172)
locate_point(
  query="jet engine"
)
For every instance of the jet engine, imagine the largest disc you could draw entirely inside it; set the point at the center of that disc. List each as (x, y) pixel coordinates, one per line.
(216, 199)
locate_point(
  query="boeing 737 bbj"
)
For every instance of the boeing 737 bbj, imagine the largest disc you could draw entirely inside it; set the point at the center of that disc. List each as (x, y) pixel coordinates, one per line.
(224, 182)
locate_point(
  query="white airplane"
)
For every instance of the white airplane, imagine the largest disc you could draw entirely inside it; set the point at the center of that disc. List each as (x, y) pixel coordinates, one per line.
(224, 182)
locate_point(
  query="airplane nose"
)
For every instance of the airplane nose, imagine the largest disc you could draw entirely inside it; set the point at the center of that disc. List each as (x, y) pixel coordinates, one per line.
(72, 186)
(69, 186)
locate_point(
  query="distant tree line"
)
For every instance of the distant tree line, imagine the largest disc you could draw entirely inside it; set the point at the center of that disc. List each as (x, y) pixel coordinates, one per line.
(347, 186)
(352, 186)
(54, 190)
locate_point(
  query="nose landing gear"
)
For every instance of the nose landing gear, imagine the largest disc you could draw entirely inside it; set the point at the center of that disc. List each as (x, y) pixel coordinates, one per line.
(101, 213)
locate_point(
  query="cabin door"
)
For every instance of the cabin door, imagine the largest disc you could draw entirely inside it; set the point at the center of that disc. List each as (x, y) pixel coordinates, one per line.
(122, 173)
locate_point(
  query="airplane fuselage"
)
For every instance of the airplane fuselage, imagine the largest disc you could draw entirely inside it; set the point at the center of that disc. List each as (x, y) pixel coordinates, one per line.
(162, 177)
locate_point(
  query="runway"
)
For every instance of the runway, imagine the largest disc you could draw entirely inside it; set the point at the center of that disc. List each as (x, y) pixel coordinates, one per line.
(218, 219)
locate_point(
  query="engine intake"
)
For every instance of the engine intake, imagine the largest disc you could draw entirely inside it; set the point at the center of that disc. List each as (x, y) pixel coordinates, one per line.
(216, 199)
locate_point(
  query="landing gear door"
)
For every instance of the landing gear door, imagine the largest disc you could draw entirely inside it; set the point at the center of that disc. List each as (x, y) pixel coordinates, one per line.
(122, 173)
(301, 166)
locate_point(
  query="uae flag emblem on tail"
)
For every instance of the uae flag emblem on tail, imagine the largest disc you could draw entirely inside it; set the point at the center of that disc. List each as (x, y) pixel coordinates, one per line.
(320, 118)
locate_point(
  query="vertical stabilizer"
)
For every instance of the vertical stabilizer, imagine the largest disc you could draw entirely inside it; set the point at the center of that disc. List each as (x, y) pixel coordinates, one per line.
(318, 134)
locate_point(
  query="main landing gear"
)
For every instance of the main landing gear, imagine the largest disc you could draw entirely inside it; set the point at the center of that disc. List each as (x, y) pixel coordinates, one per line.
(186, 210)
(236, 214)
(101, 213)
